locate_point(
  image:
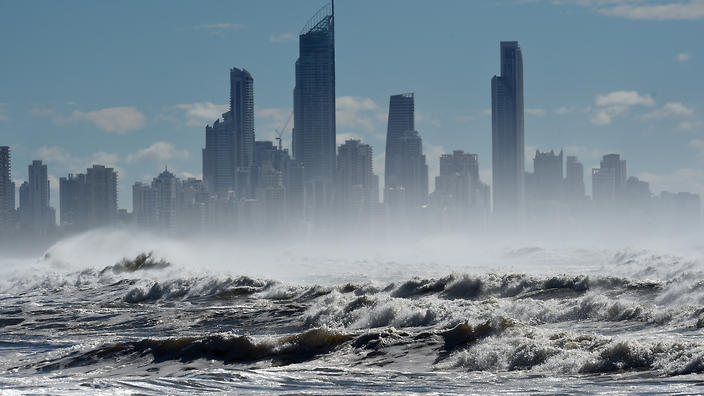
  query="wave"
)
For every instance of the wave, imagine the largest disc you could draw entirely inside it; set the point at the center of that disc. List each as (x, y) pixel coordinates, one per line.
(225, 348)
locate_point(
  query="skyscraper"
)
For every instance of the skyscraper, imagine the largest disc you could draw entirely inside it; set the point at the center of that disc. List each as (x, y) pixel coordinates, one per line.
(37, 215)
(609, 180)
(547, 176)
(7, 192)
(229, 143)
(101, 195)
(401, 119)
(314, 101)
(72, 201)
(90, 199)
(507, 131)
(574, 180)
(358, 186)
(458, 189)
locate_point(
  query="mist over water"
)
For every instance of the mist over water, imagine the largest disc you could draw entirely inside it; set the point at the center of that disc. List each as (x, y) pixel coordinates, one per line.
(118, 310)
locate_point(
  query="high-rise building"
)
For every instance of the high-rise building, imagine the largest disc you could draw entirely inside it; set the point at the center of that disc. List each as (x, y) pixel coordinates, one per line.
(89, 200)
(72, 201)
(314, 103)
(458, 189)
(401, 119)
(413, 178)
(357, 185)
(229, 143)
(144, 205)
(165, 185)
(36, 214)
(507, 131)
(242, 109)
(574, 180)
(7, 192)
(547, 178)
(101, 195)
(609, 180)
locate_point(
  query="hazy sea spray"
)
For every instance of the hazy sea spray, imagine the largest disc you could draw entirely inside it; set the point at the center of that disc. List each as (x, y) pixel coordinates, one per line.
(178, 312)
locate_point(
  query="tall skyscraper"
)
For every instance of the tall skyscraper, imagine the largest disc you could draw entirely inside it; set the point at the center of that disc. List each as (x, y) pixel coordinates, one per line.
(401, 119)
(413, 175)
(7, 192)
(72, 201)
(547, 176)
(101, 195)
(507, 132)
(37, 216)
(609, 180)
(458, 188)
(89, 200)
(228, 155)
(357, 185)
(165, 185)
(314, 101)
(574, 180)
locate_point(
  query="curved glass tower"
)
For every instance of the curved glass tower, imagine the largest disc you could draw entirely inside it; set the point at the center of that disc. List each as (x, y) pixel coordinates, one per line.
(314, 99)
(507, 132)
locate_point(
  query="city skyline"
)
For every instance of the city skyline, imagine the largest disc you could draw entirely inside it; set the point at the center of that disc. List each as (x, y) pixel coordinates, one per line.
(155, 150)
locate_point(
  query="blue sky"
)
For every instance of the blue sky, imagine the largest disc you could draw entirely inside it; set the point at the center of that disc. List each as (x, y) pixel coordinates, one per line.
(132, 84)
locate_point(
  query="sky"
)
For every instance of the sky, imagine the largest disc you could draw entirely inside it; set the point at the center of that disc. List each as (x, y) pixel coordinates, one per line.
(132, 84)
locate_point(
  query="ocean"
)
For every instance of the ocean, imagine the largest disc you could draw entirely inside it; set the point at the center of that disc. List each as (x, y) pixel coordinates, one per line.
(114, 312)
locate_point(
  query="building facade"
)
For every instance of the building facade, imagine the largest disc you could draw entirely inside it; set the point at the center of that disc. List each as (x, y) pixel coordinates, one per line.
(507, 132)
(314, 102)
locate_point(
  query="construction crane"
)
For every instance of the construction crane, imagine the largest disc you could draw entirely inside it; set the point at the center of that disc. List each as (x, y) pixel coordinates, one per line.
(280, 132)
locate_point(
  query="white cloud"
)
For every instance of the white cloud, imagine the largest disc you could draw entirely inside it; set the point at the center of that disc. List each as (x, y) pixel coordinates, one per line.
(282, 38)
(683, 57)
(219, 26)
(159, 152)
(680, 180)
(201, 113)
(69, 163)
(356, 112)
(3, 111)
(535, 112)
(564, 110)
(689, 125)
(42, 112)
(269, 120)
(670, 10)
(617, 103)
(670, 110)
(624, 98)
(112, 119)
(697, 144)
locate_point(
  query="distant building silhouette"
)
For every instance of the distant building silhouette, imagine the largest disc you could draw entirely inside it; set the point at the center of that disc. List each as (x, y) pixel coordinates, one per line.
(458, 190)
(357, 185)
(144, 205)
(401, 119)
(89, 200)
(406, 173)
(36, 215)
(7, 193)
(229, 143)
(507, 131)
(72, 202)
(574, 180)
(609, 180)
(547, 181)
(314, 106)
